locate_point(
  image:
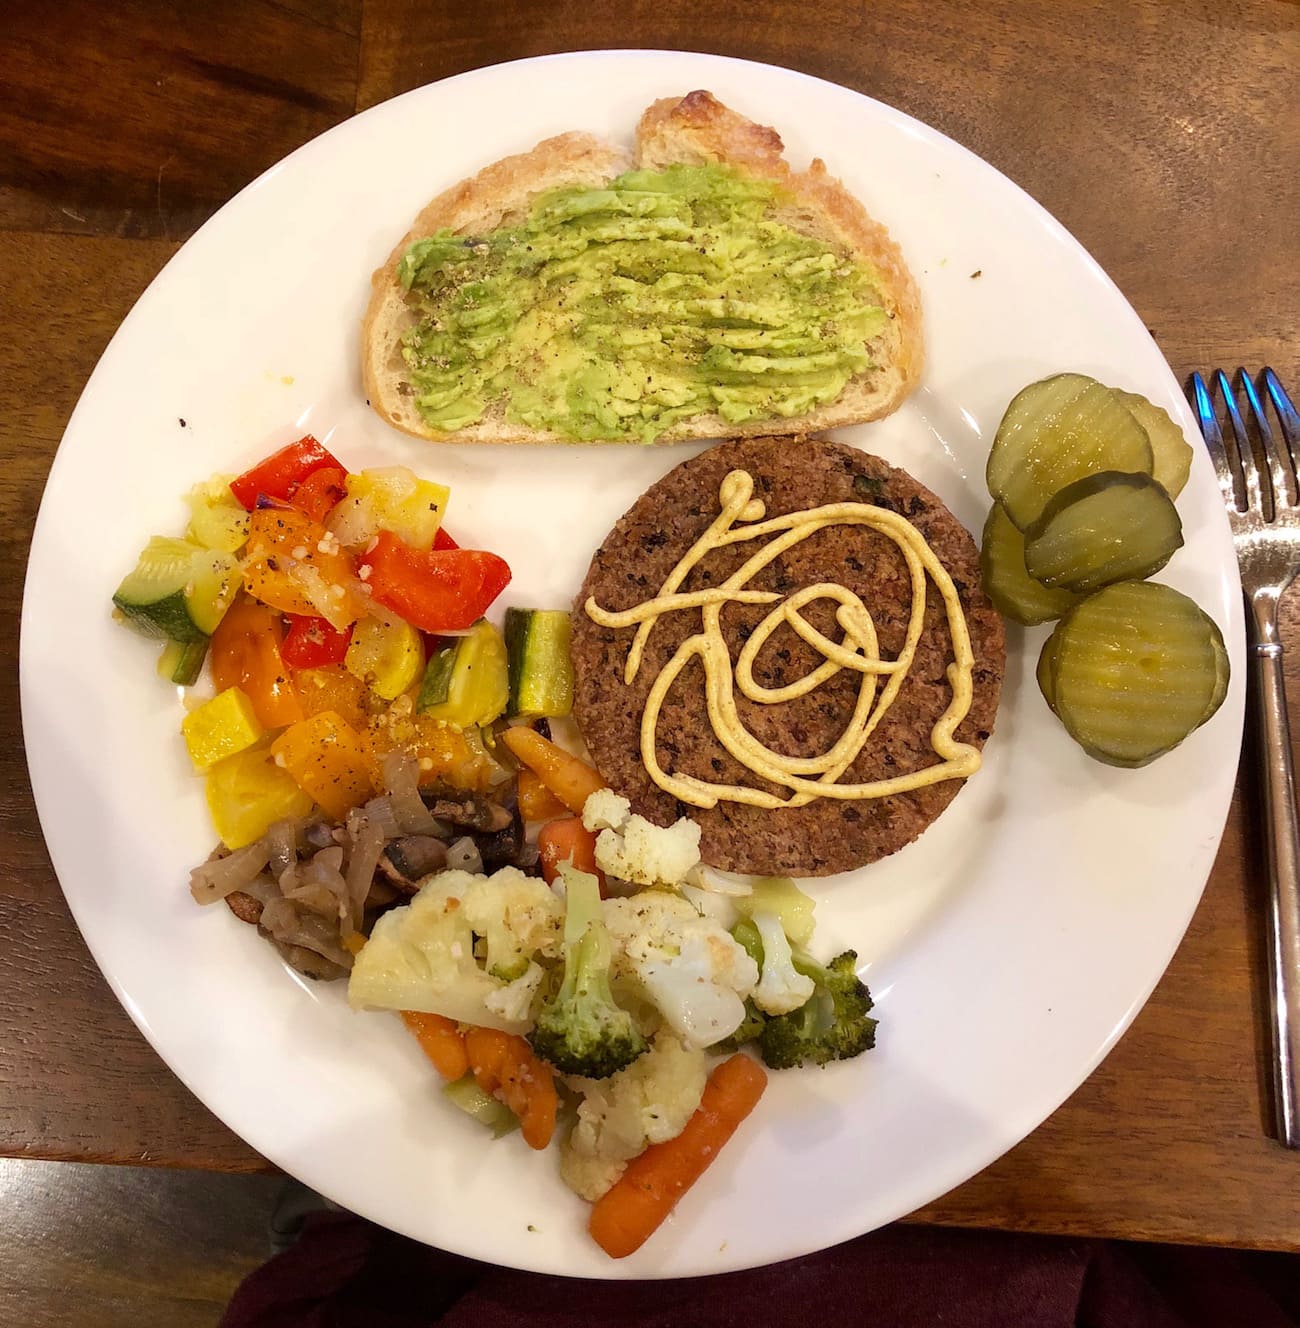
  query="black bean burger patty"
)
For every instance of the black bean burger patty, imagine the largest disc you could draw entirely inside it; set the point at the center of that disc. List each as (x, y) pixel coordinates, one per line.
(790, 474)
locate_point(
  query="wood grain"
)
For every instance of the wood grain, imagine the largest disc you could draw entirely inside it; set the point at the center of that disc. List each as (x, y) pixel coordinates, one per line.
(142, 118)
(1176, 170)
(121, 1247)
(1158, 133)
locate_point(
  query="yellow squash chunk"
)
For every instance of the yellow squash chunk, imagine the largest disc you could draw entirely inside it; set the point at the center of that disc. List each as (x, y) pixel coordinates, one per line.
(248, 793)
(394, 499)
(468, 683)
(217, 519)
(328, 760)
(222, 727)
(387, 656)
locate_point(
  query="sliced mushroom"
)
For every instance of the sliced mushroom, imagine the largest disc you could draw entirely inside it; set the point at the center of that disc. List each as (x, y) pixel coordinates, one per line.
(407, 861)
(470, 811)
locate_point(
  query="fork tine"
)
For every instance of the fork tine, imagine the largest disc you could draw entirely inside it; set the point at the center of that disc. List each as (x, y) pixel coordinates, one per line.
(1213, 436)
(1286, 412)
(1245, 453)
(1283, 482)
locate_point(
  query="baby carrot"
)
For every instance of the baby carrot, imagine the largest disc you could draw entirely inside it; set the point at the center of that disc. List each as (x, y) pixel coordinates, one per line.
(570, 779)
(504, 1065)
(568, 840)
(536, 801)
(442, 1042)
(630, 1212)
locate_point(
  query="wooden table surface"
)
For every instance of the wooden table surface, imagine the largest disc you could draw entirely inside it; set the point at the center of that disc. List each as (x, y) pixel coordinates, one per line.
(1166, 136)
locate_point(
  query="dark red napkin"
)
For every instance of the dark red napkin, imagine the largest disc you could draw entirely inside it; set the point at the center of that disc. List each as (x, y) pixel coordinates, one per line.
(345, 1273)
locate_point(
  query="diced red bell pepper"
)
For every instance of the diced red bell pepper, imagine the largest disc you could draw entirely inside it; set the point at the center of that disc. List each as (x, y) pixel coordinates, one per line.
(443, 541)
(443, 590)
(320, 492)
(280, 474)
(311, 643)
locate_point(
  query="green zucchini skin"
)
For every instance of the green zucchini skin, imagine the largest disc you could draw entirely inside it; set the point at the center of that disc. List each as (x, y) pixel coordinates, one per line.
(541, 672)
(177, 591)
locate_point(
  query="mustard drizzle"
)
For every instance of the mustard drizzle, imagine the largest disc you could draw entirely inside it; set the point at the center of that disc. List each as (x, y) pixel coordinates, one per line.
(858, 651)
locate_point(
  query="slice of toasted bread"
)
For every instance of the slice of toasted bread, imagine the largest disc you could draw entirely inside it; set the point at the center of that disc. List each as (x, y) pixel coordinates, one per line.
(693, 129)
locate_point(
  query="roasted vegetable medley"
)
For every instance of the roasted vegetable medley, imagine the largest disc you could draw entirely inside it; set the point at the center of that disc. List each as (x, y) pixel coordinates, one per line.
(393, 811)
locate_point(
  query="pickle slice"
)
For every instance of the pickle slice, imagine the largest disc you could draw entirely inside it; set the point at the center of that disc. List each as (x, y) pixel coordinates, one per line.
(1222, 672)
(1135, 668)
(1055, 432)
(1046, 671)
(1171, 455)
(1103, 528)
(1006, 582)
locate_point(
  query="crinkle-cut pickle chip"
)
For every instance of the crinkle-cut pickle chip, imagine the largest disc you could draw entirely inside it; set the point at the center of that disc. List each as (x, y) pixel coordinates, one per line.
(1170, 452)
(1103, 528)
(1055, 432)
(1133, 670)
(1006, 582)
(1046, 671)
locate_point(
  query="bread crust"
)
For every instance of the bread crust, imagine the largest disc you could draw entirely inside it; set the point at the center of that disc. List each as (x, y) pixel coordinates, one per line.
(693, 129)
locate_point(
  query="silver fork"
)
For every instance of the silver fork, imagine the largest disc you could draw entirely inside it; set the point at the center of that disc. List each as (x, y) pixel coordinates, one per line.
(1264, 513)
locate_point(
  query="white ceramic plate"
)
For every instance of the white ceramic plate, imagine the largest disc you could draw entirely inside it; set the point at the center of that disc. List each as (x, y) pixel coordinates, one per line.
(1007, 949)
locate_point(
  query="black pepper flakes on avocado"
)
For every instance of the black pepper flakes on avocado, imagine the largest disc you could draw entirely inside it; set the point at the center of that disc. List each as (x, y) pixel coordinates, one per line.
(614, 266)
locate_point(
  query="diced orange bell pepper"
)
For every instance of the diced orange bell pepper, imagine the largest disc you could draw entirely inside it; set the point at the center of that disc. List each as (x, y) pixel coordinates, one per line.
(332, 687)
(445, 755)
(245, 653)
(295, 565)
(328, 760)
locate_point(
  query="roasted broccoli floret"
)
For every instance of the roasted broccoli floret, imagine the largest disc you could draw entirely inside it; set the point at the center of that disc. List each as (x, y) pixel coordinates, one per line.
(580, 1029)
(832, 1025)
(749, 1030)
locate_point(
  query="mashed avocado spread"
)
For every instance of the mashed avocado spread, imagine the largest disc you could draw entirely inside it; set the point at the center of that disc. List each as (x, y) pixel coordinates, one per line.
(615, 312)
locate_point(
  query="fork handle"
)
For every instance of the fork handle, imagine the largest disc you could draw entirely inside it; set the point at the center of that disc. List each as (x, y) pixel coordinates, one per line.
(1282, 847)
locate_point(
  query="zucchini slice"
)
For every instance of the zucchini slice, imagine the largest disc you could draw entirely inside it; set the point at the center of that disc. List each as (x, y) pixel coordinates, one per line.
(1171, 454)
(182, 661)
(480, 1106)
(1135, 669)
(467, 682)
(1103, 528)
(178, 591)
(1006, 582)
(1055, 432)
(541, 673)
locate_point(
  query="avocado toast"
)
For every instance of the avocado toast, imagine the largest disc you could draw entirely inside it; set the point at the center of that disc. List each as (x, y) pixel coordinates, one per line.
(695, 288)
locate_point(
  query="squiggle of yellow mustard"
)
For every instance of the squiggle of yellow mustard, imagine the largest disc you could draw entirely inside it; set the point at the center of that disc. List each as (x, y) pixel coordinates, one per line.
(858, 651)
